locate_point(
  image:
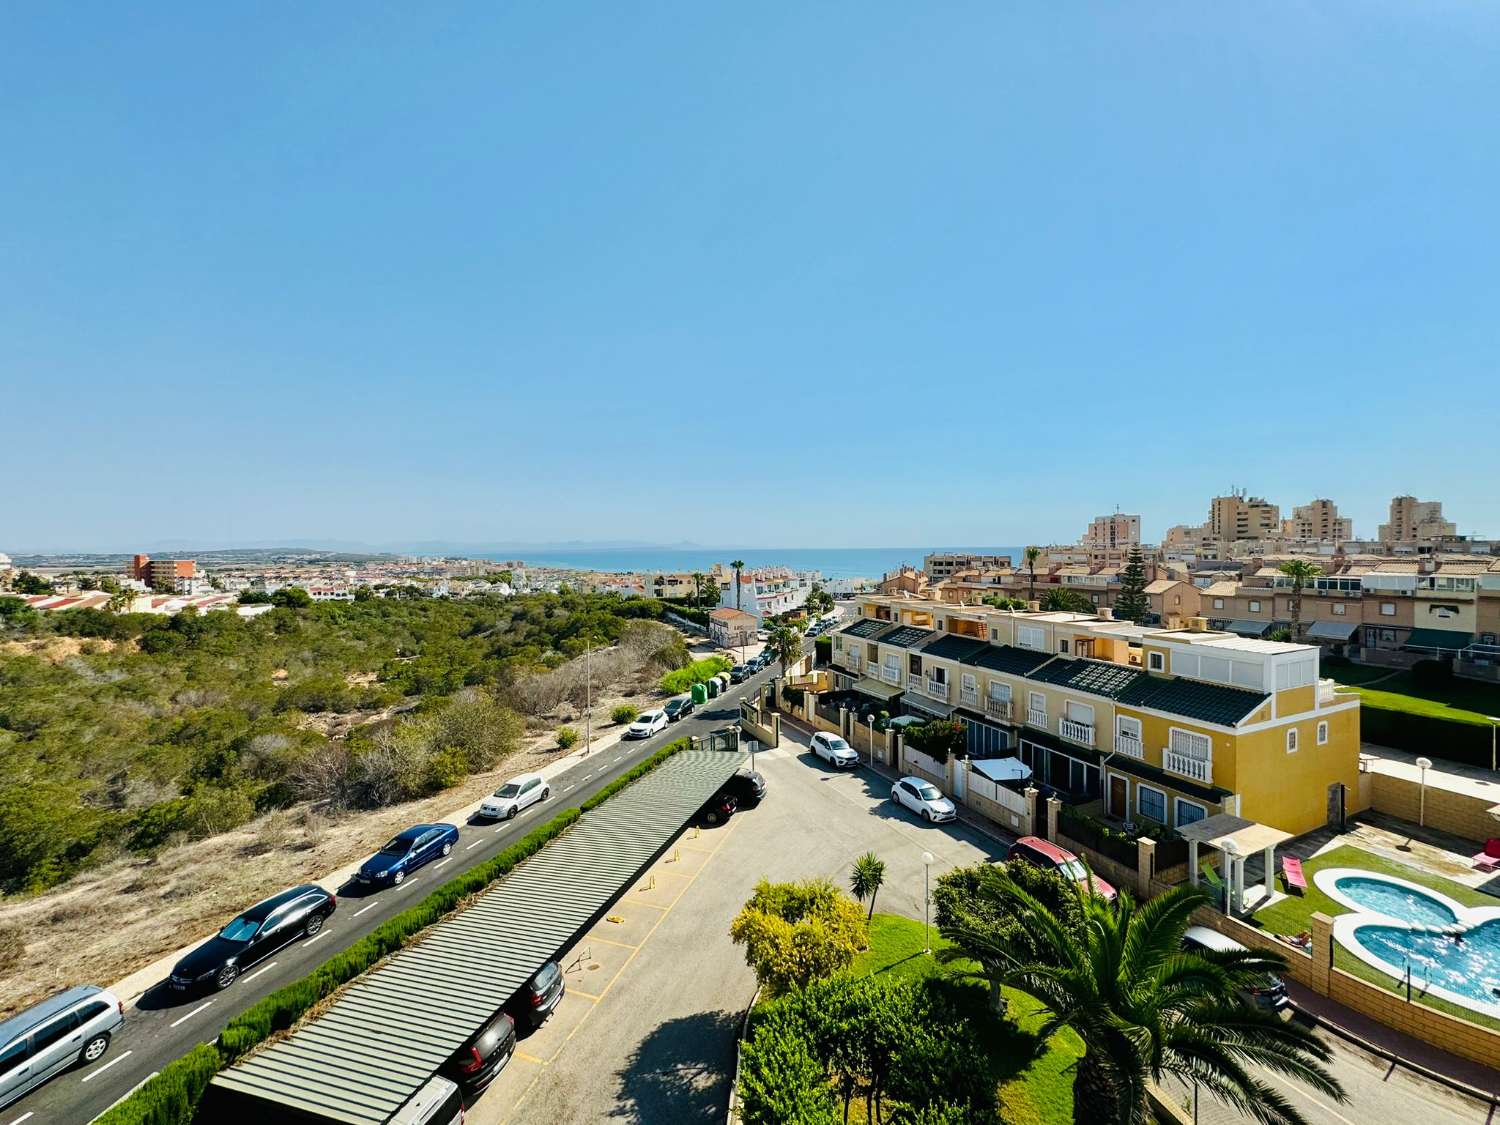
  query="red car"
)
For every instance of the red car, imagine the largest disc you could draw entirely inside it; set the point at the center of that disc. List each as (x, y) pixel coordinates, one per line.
(1040, 853)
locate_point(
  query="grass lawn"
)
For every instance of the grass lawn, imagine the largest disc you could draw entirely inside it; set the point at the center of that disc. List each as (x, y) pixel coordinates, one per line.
(1035, 1081)
(1463, 701)
(1293, 914)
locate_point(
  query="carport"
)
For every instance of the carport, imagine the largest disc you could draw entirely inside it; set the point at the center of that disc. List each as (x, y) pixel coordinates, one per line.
(375, 1046)
(1237, 838)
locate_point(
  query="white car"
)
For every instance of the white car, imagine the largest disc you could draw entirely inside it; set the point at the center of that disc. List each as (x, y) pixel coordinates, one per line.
(923, 798)
(646, 724)
(516, 794)
(835, 751)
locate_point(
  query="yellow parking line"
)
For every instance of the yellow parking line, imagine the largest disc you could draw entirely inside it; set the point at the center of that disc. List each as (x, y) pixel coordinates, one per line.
(585, 995)
(609, 941)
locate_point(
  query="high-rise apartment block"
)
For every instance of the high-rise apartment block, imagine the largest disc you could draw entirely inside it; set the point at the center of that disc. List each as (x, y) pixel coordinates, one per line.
(1112, 532)
(1416, 521)
(1318, 520)
(1238, 517)
(162, 574)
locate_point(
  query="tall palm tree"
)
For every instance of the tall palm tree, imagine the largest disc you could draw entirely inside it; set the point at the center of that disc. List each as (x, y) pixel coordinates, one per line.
(867, 878)
(739, 568)
(1300, 571)
(698, 589)
(785, 644)
(1145, 1008)
(1032, 554)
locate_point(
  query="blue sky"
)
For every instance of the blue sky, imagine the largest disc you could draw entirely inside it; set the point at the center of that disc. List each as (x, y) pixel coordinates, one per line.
(781, 275)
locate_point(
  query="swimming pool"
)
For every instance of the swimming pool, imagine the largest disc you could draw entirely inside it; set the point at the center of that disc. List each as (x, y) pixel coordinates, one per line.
(1400, 927)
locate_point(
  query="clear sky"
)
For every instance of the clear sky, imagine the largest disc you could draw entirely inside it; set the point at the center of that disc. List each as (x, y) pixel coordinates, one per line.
(761, 274)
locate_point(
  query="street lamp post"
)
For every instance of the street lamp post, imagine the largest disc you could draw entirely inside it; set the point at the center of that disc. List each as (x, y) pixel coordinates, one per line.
(588, 697)
(1423, 764)
(926, 902)
(1494, 726)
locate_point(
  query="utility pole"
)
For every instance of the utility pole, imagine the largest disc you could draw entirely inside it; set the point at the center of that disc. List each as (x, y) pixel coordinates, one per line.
(588, 697)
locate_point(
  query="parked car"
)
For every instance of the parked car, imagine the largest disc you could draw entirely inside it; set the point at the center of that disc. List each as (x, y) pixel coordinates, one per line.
(538, 997)
(475, 1064)
(73, 1026)
(739, 673)
(646, 724)
(406, 851)
(1043, 853)
(923, 798)
(747, 787)
(1270, 996)
(255, 934)
(440, 1101)
(679, 706)
(834, 750)
(516, 794)
(717, 809)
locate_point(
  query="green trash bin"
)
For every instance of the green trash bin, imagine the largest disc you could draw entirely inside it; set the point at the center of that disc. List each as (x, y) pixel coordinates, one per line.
(700, 694)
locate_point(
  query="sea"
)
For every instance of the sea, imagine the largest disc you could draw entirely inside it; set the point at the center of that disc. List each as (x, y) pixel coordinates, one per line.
(833, 562)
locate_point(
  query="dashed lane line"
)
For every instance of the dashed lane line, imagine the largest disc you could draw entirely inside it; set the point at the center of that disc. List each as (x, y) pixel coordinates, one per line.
(258, 972)
(184, 1019)
(362, 909)
(117, 1059)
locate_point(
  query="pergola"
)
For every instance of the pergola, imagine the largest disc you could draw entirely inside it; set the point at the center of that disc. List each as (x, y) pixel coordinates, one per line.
(1236, 838)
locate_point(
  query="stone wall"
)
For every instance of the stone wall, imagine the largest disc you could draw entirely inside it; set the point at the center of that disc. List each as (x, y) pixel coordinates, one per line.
(1456, 813)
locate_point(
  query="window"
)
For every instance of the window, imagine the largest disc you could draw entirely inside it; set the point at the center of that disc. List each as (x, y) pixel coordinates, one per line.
(1189, 811)
(967, 681)
(994, 636)
(1151, 803)
(1387, 609)
(914, 665)
(1291, 740)
(1156, 662)
(1388, 635)
(1218, 603)
(1031, 636)
(838, 643)
(1079, 712)
(1128, 728)
(1254, 606)
(1037, 701)
(1370, 636)
(1095, 597)
(938, 675)
(1339, 608)
(1190, 744)
(1062, 646)
(50, 1033)
(1322, 734)
(872, 654)
(15, 1054)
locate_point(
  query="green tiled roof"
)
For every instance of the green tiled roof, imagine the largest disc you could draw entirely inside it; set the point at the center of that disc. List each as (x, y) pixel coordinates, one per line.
(1209, 703)
(866, 627)
(907, 636)
(1096, 677)
(953, 647)
(1007, 658)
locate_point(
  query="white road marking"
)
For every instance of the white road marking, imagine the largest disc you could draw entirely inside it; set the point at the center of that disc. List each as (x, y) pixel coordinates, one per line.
(474, 845)
(122, 1057)
(362, 909)
(23, 1117)
(442, 863)
(321, 934)
(257, 972)
(586, 776)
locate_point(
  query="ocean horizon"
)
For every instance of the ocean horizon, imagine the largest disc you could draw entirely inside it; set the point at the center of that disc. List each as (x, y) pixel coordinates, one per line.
(833, 562)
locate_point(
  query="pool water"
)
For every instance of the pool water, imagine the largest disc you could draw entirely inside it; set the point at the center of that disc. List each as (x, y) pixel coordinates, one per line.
(1469, 968)
(1395, 901)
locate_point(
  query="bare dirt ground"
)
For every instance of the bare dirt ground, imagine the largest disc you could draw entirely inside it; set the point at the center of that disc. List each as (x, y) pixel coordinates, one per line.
(58, 649)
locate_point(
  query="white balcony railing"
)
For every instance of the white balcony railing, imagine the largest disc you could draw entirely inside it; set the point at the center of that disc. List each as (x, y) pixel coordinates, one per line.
(968, 697)
(1199, 769)
(853, 664)
(1326, 692)
(1037, 717)
(1129, 745)
(997, 708)
(938, 689)
(891, 675)
(1074, 731)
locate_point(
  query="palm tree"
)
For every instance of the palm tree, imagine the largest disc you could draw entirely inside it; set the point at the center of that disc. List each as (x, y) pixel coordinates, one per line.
(785, 644)
(1145, 1008)
(866, 879)
(739, 568)
(1032, 554)
(1300, 571)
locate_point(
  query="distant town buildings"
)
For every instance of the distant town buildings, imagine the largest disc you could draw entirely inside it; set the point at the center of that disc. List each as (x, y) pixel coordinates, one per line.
(940, 566)
(1318, 520)
(177, 575)
(1112, 532)
(729, 628)
(1416, 521)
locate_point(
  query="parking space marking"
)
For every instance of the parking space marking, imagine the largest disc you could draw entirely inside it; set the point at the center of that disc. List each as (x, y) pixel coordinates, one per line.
(323, 933)
(582, 995)
(122, 1057)
(524, 1057)
(265, 969)
(607, 941)
(362, 909)
(190, 1015)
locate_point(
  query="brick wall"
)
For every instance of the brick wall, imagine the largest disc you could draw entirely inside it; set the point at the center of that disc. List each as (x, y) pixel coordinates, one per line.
(1457, 813)
(1454, 1035)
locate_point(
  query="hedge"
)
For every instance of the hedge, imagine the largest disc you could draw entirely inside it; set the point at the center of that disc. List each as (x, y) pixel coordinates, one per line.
(171, 1097)
(680, 680)
(1454, 739)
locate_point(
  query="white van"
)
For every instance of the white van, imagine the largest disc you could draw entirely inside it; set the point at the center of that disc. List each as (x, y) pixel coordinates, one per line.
(72, 1027)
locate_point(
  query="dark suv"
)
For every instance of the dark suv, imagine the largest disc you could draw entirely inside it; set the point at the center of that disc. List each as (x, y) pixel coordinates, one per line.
(678, 707)
(538, 997)
(747, 787)
(476, 1063)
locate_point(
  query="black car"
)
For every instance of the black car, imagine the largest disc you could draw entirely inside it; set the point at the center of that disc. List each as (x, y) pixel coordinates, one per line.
(739, 673)
(538, 997)
(678, 707)
(747, 787)
(255, 934)
(476, 1063)
(717, 809)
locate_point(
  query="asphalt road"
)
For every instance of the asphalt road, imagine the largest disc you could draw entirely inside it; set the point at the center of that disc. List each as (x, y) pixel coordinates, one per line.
(161, 1026)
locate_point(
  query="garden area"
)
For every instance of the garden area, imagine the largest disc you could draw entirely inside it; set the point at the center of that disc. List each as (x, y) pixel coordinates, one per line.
(1422, 708)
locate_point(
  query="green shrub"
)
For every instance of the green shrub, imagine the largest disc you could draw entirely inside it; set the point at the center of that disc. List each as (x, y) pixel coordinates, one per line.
(624, 713)
(1454, 739)
(680, 680)
(566, 737)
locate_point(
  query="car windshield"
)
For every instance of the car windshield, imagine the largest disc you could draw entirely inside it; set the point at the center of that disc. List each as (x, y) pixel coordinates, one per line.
(396, 845)
(509, 789)
(928, 792)
(241, 929)
(1073, 869)
(837, 744)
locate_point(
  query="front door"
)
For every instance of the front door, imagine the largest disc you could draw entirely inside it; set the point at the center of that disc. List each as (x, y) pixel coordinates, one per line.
(1119, 797)
(1336, 805)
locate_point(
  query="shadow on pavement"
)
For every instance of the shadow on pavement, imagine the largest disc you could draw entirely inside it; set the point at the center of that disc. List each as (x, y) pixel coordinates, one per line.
(681, 1071)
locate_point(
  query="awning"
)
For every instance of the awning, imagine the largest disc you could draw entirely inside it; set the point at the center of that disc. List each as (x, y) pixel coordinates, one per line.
(1001, 769)
(1245, 836)
(1332, 630)
(927, 706)
(1249, 628)
(1449, 640)
(877, 690)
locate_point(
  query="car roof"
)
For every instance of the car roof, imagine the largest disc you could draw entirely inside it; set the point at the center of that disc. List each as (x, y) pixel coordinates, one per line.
(1212, 939)
(522, 779)
(1046, 848)
(261, 909)
(648, 714)
(45, 1009)
(919, 781)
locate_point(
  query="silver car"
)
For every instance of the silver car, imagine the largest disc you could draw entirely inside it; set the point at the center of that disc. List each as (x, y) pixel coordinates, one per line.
(72, 1027)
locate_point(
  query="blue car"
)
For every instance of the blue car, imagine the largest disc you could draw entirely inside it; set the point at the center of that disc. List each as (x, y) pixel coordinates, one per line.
(405, 852)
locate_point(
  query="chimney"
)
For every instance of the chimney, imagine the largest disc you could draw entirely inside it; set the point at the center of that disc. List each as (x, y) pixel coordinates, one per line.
(1105, 613)
(1033, 607)
(1197, 624)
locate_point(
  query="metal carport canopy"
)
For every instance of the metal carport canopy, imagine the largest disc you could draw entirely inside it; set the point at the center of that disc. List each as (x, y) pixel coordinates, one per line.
(387, 1034)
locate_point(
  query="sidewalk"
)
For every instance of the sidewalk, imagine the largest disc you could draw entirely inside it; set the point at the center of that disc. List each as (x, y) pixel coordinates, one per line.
(1398, 1047)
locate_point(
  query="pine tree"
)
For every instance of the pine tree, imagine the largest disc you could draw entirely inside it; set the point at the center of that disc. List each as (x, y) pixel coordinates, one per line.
(1132, 604)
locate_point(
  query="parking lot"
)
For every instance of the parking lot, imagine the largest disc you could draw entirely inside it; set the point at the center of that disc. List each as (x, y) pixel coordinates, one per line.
(657, 991)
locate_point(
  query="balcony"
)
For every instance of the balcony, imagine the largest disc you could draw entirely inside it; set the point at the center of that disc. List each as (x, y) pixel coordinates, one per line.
(1199, 769)
(968, 697)
(938, 689)
(997, 708)
(891, 675)
(1129, 745)
(1037, 717)
(1074, 731)
(1327, 692)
